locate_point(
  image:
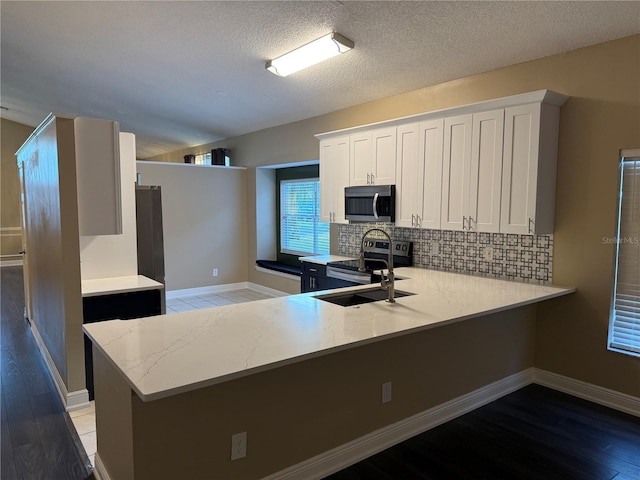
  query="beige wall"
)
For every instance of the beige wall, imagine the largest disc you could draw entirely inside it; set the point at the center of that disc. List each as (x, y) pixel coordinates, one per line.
(12, 136)
(601, 117)
(204, 222)
(297, 411)
(53, 251)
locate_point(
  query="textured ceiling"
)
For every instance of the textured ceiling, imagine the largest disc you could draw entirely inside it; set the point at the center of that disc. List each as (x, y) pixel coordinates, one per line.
(182, 73)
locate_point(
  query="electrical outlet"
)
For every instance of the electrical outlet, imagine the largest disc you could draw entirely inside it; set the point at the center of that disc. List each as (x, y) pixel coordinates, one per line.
(435, 248)
(488, 254)
(386, 392)
(238, 445)
(215, 272)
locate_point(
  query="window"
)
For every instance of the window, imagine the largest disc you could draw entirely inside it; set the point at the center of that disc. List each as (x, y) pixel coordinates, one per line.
(297, 216)
(624, 328)
(301, 232)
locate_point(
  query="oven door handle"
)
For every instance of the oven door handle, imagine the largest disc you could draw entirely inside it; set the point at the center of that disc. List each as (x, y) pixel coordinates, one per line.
(375, 205)
(348, 276)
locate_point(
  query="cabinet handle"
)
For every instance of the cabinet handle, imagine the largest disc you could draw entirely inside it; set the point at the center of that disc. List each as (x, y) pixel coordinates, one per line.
(531, 223)
(418, 220)
(372, 180)
(464, 223)
(413, 224)
(469, 224)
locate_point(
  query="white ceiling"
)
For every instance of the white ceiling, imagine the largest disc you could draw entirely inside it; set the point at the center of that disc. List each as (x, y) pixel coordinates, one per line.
(183, 73)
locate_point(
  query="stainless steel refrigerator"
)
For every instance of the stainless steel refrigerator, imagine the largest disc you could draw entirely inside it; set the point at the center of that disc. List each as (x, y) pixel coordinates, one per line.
(150, 234)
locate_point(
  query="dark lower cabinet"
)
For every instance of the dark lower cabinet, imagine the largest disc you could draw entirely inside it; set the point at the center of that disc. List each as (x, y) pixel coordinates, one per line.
(314, 278)
(123, 306)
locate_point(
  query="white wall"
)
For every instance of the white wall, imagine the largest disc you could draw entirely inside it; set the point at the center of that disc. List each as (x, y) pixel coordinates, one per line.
(106, 256)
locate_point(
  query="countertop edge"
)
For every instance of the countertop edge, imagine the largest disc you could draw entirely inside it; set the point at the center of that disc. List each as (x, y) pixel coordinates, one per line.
(149, 397)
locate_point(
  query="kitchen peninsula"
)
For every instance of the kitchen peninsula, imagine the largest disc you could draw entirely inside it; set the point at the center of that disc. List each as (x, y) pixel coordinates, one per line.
(300, 375)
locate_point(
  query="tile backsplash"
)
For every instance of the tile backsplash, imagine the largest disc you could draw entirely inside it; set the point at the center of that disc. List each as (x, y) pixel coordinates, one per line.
(509, 256)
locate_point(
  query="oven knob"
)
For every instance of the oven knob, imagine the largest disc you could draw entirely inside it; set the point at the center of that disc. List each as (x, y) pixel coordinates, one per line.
(398, 247)
(404, 248)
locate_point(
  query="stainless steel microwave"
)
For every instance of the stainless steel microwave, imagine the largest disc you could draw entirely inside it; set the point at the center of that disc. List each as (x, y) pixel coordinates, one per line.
(370, 203)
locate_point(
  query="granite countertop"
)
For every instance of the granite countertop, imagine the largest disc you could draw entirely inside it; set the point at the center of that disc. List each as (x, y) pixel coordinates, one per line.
(113, 285)
(175, 353)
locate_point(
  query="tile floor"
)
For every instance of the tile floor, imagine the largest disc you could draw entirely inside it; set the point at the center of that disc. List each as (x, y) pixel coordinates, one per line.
(84, 420)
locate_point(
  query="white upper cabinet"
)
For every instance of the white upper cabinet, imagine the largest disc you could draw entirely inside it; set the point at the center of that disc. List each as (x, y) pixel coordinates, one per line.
(455, 172)
(97, 149)
(373, 157)
(472, 171)
(485, 167)
(529, 170)
(334, 177)
(486, 172)
(419, 174)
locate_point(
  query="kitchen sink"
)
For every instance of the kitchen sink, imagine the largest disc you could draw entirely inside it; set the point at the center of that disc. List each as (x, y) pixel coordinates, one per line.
(349, 299)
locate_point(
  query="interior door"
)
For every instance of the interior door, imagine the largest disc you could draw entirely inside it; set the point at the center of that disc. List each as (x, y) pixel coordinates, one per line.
(25, 243)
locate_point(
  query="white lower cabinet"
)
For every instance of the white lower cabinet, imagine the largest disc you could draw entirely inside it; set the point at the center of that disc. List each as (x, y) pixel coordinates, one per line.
(529, 172)
(334, 177)
(419, 174)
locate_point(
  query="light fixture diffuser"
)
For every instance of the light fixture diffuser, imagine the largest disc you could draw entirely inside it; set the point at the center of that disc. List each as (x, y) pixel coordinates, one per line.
(314, 52)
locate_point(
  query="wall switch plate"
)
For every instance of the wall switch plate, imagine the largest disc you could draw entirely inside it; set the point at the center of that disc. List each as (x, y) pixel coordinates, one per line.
(386, 392)
(434, 249)
(215, 272)
(238, 445)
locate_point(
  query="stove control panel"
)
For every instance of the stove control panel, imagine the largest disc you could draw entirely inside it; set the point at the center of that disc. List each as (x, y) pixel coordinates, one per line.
(401, 248)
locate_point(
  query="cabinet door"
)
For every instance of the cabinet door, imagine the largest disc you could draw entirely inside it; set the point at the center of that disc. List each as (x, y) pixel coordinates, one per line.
(326, 184)
(383, 156)
(430, 172)
(360, 159)
(97, 152)
(340, 167)
(409, 173)
(455, 174)
(334, 176)
(486, 171)
(520, 166)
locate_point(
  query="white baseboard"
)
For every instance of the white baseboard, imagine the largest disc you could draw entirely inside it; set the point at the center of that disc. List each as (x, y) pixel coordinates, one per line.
(10, 263)
(192, 292)
(587, 391)
(345, 455)
(71, 400)
(99, 470)
(266, 290)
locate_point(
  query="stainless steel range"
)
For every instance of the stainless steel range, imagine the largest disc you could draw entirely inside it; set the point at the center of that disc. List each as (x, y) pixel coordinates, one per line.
(375, 251)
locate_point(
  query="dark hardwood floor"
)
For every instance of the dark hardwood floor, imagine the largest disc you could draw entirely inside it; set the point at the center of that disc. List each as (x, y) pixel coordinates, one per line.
(38, 439)
(534, 433)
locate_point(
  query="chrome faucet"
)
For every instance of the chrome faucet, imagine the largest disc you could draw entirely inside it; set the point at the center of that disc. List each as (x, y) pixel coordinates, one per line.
(387, 283)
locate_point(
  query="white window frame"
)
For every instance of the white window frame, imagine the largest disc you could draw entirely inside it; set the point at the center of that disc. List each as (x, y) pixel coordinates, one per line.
(624, 318)
(317, 216)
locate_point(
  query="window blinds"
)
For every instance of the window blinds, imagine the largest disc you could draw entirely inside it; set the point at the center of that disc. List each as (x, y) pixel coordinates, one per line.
(624, 333)
(301, 232)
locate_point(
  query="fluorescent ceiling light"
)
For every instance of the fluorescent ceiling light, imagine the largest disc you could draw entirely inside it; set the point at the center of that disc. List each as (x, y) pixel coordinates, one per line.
(315, 52)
